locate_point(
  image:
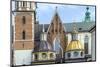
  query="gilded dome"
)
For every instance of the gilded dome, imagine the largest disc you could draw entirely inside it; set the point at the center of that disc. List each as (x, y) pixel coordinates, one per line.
(74, 45)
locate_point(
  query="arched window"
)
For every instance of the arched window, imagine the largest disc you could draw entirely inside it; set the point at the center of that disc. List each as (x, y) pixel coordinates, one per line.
(69, 55)
(81, 53)
(44, 55)
(75, 54)
(36, 57)
(23, 20)
(51, 55)
(23, 35)
(86, 43)
(58, 47)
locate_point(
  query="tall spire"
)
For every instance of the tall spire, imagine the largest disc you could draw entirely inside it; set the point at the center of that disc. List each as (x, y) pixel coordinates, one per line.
(56, 10)
(87, 15)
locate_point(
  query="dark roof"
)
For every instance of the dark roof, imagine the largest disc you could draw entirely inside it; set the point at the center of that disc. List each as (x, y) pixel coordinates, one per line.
(42, 46)
(81, 26)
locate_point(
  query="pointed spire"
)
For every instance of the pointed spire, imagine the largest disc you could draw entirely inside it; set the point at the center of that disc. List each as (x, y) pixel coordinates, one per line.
(87, 15)
(56, 10)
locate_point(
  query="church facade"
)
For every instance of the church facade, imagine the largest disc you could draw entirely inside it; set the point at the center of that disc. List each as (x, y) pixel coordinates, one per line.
(57, 42)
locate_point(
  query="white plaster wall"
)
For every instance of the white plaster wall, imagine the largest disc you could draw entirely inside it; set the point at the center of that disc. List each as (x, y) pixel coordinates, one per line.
(22, 57)
(79, 55)
(81, 37)
(93, 45)
(69, 37)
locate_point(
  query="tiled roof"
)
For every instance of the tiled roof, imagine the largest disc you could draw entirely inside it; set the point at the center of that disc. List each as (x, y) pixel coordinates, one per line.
(81, 26)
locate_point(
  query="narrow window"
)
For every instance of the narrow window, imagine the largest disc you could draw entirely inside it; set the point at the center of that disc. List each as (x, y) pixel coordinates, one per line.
(23, 45)
(52, 30)
(68, 55)
(30, 5)
(17, 5)
(86, 40)
(36, 57)
(23, 4)
(44, 55)
(75, 54)
(81, 53)
(23, 19)
(23, 35)
(51, 55)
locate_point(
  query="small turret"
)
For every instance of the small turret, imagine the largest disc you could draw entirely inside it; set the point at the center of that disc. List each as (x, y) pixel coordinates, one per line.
(74, 49)
(87, 15)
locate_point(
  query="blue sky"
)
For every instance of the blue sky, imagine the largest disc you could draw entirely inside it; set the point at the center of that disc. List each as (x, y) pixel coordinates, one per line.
(67, 13)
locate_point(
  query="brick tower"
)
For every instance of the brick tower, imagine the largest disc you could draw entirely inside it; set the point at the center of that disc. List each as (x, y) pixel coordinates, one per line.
(23, 41)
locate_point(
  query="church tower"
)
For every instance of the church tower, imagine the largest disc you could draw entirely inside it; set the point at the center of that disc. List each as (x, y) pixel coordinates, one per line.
(24, 19)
